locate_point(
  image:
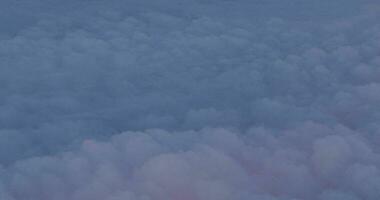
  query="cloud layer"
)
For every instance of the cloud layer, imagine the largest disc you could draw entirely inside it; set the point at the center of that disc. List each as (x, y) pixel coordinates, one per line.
(139, 100)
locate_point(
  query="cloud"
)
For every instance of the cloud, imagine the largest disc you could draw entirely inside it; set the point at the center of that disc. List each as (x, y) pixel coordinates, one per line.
(311, 161)
(189, 100)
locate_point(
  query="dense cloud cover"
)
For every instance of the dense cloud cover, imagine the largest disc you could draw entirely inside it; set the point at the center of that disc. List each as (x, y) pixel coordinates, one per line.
(189, 100)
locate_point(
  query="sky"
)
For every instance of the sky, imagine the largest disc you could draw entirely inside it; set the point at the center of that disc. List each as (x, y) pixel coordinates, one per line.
(190, 100)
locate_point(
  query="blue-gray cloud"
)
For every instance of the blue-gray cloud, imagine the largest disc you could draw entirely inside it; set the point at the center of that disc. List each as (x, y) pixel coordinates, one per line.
(189, 100)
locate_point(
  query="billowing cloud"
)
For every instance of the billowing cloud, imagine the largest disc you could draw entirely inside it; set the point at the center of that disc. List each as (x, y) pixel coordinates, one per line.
(311, 161)
(196, 100)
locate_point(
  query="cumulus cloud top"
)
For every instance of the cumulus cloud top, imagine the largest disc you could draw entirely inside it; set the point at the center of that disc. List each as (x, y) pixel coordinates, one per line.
(190, 100)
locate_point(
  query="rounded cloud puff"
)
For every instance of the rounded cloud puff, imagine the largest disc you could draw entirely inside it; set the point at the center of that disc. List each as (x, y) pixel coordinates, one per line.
(311, 161)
